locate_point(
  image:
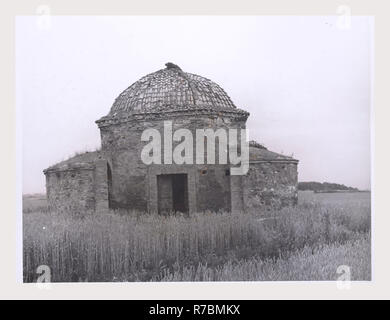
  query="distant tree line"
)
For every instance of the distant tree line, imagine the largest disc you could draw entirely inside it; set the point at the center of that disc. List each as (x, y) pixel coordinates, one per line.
(325, 186)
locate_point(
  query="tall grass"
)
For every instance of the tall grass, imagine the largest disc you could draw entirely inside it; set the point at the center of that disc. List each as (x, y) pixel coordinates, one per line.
(125, 246)
(322, 264)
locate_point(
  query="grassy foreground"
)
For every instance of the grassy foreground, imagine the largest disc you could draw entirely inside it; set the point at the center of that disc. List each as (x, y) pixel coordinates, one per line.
(303, 243)
(306, 264)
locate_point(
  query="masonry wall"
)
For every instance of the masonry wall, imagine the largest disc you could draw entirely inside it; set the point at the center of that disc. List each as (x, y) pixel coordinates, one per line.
(213, 188)
(165, 196)
(71, 191)
(270, 184)
(131, 186)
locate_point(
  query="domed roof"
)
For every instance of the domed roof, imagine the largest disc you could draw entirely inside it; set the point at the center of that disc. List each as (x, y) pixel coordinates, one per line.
(172, 89)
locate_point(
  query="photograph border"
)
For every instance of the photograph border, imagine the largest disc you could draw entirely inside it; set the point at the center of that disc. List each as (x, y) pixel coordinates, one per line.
(11, 229)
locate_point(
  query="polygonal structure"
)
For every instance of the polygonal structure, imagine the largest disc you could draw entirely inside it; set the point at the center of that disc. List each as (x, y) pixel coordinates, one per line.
(118, 177)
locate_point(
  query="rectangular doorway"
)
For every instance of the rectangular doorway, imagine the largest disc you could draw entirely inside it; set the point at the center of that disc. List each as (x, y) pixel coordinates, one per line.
(172, 192)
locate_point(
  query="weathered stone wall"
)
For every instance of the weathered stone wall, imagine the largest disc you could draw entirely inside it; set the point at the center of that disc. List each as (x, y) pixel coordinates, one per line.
(71, 191)
(270, 184)
(101, 186)
(131, 186)
(116, 177)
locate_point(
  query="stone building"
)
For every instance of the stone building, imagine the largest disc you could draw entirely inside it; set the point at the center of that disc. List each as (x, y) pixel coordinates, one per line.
(116, 177)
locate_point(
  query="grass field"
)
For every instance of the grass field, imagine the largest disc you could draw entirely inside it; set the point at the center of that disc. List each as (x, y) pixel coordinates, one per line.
(305, 264)
(307, 242)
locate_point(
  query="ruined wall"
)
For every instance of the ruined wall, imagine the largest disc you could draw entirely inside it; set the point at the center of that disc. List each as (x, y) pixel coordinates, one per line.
(270, 184)
(131, 186)
(71, 190)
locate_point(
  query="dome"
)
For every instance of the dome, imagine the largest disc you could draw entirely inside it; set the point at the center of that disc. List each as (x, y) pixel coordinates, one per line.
(172, 89)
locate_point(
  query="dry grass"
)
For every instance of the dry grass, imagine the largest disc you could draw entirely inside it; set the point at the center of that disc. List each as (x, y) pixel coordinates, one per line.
(124, 246)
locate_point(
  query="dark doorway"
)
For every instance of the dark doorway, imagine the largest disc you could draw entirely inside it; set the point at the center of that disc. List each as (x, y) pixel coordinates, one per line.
(179, 193)
(172, 193)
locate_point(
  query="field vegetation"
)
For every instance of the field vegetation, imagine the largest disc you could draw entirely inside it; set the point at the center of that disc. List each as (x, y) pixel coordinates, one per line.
(307, 242)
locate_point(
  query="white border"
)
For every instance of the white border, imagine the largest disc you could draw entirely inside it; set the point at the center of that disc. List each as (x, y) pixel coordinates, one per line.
(232, 290)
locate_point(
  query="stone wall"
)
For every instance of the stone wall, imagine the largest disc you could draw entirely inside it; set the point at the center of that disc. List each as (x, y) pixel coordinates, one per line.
(152, 187)
(270, 184)
(132, 187)
(213, 188)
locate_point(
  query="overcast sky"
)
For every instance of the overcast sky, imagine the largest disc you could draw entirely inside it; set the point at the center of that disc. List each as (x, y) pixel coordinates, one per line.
(305, 82)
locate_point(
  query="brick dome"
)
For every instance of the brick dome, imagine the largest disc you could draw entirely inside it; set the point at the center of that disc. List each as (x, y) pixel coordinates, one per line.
(172, 89)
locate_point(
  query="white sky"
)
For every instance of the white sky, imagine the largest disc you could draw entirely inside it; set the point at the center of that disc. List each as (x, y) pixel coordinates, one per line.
(305, 82)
